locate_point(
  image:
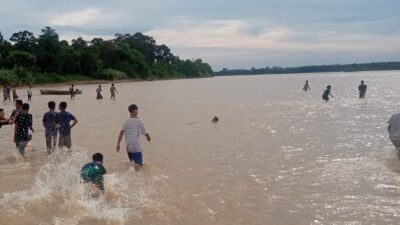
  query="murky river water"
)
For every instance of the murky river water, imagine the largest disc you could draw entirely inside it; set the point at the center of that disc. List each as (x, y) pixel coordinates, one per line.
(278, 156)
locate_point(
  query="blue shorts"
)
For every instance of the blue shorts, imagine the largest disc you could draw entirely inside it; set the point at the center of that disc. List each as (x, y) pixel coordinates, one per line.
(136, 157)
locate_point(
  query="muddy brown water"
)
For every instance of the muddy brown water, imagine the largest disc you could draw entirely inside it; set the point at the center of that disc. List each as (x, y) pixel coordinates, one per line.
(278, 155)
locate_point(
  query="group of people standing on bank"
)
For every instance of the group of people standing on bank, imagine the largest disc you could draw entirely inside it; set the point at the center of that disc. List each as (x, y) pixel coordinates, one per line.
(362, 90)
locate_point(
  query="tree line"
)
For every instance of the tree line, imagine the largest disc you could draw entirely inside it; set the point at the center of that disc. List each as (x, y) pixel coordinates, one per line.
(29, 59)
(312, 69)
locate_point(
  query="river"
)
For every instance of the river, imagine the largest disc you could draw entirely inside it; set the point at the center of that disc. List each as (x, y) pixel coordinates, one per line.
(279, 155)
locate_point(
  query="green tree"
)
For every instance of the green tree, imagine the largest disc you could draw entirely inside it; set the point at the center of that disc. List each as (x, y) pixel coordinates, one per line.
(24, 40)
(22, 59)
(48, 51)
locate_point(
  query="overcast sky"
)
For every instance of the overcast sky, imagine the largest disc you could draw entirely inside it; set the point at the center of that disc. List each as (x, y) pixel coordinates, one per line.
(228, 33)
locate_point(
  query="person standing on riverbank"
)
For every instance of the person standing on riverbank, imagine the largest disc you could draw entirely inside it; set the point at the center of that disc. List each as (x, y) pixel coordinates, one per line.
(29, 92)
(14, 92)
(113, 89)
(23, 123)
(132, 128)
(50, 123)
(64, 119)
(72, 92)
(327, 93)
(362, 89)
(306, 86)
(98, 91)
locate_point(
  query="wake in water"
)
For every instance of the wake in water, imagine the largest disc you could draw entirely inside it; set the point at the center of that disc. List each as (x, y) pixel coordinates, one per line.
(58, 197)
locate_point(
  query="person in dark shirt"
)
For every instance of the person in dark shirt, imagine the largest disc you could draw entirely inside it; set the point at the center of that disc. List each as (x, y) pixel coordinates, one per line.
(98, 91)
(93, 172)
(64, 119)
(9, 93)
(72, 91)
(50, 123)
(362, 89)
(3, 120)
(23, 123)
(327, 93)
(306, 86)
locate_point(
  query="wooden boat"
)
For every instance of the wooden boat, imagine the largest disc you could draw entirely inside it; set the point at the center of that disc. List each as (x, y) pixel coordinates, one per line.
(58, 92)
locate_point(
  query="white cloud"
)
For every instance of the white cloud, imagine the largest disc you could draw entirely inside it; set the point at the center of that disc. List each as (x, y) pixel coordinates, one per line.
(234, 34)
(80, 18)
(69, 36)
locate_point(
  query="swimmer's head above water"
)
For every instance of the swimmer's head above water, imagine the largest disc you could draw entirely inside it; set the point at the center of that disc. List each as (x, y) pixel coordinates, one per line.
(215, 119)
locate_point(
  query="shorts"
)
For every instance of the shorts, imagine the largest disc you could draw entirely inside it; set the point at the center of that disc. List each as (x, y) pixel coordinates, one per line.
(51, 139)
(64, 141)
(136, 157)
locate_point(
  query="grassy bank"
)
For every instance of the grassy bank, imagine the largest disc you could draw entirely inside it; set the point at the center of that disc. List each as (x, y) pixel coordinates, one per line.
(21, 77)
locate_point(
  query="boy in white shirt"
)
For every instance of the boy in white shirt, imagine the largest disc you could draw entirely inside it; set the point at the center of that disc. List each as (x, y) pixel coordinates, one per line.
(30, 93)
(133, 127)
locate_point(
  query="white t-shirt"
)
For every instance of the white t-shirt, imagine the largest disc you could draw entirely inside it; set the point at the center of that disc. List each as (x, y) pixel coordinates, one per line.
(394, 123)
(133, 128)
(29, 91)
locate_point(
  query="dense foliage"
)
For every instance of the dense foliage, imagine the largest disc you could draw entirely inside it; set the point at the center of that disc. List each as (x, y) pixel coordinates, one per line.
(313, 69)
(29, 59)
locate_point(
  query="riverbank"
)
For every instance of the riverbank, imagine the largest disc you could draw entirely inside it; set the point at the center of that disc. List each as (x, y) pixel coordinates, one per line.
(24, 78)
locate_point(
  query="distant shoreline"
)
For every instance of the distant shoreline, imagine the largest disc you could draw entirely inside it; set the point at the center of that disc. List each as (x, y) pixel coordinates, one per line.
(360, 67)
(88, 82)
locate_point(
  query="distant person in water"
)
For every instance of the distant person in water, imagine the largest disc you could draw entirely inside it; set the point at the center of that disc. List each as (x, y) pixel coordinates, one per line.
(3, 119)
(98, 91)
(215, 119)
(50, 124)
(132, 128)
(112, 91)
(14, 92)
(23, 123)
(362, 89)
(5, 96)
(72, 91)
(327, 93)
(9, 93)
(306, 86)
(64, 119)
(394, 131)
(93, 172)
(29, 92)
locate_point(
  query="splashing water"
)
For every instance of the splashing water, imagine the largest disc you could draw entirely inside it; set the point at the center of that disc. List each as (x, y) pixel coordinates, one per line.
(57, 195)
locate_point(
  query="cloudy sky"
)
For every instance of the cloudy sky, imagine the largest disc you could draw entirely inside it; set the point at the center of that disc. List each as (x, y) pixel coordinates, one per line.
(228, 33)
